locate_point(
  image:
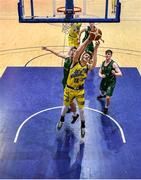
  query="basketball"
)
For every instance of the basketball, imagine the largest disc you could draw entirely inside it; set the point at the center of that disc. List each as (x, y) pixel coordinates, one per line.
(95, 35)
(98, 35)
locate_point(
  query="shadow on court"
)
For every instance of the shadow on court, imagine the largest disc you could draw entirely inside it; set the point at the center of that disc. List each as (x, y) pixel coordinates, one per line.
(65, 166)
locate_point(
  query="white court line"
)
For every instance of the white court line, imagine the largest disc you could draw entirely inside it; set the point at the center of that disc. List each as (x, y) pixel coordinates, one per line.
(120, 128)
(59, 107)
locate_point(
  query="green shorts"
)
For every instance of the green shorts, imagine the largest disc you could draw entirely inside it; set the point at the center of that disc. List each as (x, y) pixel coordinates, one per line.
(107, 87)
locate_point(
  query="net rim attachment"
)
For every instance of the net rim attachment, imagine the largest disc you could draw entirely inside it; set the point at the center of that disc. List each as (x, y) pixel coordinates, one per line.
(76, 9)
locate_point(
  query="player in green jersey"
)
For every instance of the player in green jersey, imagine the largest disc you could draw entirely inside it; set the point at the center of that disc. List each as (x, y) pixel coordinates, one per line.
(91, 27)
(108, 71)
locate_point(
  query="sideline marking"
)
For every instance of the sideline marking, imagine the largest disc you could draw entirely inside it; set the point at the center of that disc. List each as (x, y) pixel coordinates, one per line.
(59, 107)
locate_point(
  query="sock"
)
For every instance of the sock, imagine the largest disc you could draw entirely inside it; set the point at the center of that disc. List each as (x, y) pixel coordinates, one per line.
(106, 106)
(74, 114)
(62, 119)
(69, 108)
(82, 124)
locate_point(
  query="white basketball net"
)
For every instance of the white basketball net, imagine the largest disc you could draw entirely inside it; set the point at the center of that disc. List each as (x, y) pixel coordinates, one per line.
(65, 27)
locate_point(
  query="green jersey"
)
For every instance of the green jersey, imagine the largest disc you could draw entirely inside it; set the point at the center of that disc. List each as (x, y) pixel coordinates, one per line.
(67, 65)
(90, 46)
(108, 83)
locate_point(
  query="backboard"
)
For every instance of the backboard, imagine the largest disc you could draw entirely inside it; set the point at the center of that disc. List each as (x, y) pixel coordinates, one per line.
(69, 11)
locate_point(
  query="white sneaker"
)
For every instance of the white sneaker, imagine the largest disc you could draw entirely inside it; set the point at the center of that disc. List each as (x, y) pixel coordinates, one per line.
(59, 125)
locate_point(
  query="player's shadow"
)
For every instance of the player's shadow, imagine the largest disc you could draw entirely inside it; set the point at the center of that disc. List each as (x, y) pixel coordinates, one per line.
(111, 133)
(102, 103)
(68, 157)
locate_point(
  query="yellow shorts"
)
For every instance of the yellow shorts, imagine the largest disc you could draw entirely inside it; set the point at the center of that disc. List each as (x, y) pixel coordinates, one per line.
(72, 41)
(70, 94)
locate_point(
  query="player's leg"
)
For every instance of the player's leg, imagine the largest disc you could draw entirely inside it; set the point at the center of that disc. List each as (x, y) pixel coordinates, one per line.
(102, 95)
(67, 101)
(62, 118)
(73, 110)
(107, 103)
(103, 89)
(81, 101)
(109, 93)
(64, 80)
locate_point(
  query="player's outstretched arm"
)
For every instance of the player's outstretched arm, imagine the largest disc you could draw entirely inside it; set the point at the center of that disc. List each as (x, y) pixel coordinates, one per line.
(54, 52)
(80, 33)
(94, 57)
(81, 48)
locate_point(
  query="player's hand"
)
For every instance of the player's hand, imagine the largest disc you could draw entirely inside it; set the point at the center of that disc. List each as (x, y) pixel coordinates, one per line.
(97, 43)
(103, 76)
(114, 72)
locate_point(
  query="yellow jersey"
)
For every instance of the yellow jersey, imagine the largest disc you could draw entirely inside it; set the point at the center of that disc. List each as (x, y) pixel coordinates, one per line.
(77, 75)
(74, 30)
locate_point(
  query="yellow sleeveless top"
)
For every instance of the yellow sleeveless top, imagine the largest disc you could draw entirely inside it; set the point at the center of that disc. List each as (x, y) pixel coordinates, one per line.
(74, 30)
(77, 75)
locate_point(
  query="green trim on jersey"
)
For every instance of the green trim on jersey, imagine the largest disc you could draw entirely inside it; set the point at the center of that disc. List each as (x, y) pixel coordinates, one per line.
(67, 65)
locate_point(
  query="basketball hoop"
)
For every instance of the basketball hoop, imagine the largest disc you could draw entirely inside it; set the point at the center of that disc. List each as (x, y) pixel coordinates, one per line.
(75, 9)
(66, 26)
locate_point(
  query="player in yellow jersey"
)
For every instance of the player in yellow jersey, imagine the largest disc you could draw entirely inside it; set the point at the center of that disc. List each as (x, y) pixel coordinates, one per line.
(73, 34)
(76, 79)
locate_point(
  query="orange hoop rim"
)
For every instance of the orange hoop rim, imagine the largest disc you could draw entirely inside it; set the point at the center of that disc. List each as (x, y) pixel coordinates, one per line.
(63, 9)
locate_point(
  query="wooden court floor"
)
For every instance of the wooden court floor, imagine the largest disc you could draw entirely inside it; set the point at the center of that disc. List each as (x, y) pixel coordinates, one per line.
(20, 44)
